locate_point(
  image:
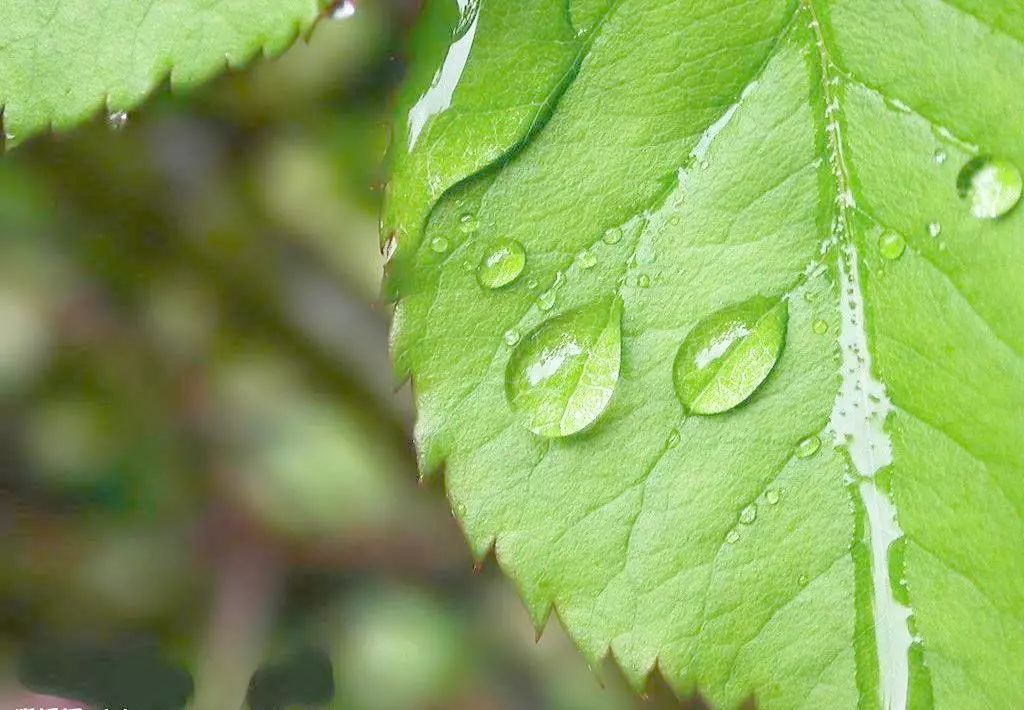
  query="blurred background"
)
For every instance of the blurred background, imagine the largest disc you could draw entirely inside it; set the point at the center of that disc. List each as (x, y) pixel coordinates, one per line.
(209, 497)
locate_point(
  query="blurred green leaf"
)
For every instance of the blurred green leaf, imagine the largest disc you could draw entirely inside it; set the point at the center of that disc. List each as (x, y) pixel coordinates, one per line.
(61, 62)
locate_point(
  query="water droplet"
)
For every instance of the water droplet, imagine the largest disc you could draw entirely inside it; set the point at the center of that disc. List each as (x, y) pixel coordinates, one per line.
(387, 250)
(439, 244)
(561, 376)
(732, 537)
(772, 496)
(587, 259)
(502, 264)
(613, 236)
(343, 10)
(531, 284)
(802, 581)
(643, 281)
(468, 222)
(808, 447)
(117, 120)
(511, 337)
(939, 157)
(727, 356)
(674, 220)
(749, 514)
(820, 327)
(891, 245)
(934, 229)
(546, 300)
(673, 439)
(991, 185)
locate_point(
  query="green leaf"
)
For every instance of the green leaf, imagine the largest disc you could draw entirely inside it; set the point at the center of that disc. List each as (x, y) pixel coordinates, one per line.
(687, 156)
(62, 61)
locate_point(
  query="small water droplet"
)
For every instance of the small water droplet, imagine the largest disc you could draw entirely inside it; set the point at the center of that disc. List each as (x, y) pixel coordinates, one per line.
(643, 281)
(511, 337)
(749, 514)
(343, 10)
(939, 157)
(674, 220)
(891, 245)
(820, 327)
(772, 496)
(531, 284)
(934, 229)
(587, 259)
(673, 439)
(502, 264)
(468, 222)
(546, 300)
(117, 120)
(808, 447)
(992, 186)
(613, 236)
(704, 165)
(732, 537)
(439, 244)
(802, 581)
(561, 376)
(727, 356)
(387, 250)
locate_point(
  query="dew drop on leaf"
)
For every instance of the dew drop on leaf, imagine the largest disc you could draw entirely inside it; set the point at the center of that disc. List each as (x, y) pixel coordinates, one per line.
(546, 300)
(511, 337)
(439, 244)
(587, 259)
(562, 374)
(939, 157)
(531, 284)
(748, 515)
(468, 222)
(934, 229)
(343, 10)
(502, 264)
(820, 327)
(673, 439)
(732, 537)
(808, 447)
(992, 186)
(643, 281)
(772, 496)
(729, 354)
(802, 581)
(612, 236)
(117, 120)
(891, 245)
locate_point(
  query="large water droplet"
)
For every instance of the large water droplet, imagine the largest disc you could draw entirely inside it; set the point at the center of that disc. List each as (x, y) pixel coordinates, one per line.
(729, 354)
(891, 245)
(561, 376)
(991, 185)
(502, 264)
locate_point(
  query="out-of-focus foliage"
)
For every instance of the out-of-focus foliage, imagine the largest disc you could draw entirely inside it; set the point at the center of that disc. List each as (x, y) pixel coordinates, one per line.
(203, 451)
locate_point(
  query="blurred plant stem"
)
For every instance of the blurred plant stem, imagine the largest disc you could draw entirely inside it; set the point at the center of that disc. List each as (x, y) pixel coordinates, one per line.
(248, 588)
